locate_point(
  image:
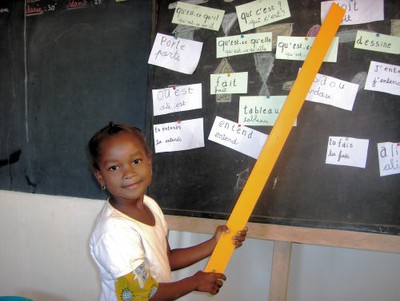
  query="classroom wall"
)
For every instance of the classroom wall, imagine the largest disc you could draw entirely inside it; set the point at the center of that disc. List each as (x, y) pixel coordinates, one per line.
(44, 256)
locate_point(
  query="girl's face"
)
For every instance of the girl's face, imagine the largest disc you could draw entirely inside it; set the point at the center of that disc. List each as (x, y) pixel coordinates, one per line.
(124, 167)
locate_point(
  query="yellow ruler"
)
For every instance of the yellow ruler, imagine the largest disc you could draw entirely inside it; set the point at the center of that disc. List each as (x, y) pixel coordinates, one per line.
(269, 154)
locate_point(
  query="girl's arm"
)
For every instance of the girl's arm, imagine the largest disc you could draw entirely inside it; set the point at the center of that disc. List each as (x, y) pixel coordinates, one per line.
(184, 257)
(140, 285)
(201, 282)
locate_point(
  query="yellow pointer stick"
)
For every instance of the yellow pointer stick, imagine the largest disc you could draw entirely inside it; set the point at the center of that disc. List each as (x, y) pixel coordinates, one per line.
(274, 144)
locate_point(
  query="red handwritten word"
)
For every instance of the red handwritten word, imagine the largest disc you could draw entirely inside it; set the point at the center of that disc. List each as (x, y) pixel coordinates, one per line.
(33, 10)
(77, 4)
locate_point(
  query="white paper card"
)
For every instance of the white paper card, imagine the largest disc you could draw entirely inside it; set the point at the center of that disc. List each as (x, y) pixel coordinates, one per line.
(383, 78)
(297, 48)
(198, 16)
(357, 11)
(332, 91)
(177, 99)
(260, 110)
(228, 83)
(178, 136)
(374, 41)
(347, 151)
(176, 54)
(240, 138)
(261, 12)
(389, 158)
(243, 44)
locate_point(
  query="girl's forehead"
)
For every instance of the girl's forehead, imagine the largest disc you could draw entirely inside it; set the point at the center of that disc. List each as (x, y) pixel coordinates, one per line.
(122, 139)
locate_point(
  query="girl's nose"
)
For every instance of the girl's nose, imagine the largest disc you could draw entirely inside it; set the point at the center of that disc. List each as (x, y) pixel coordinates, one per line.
(129, 171)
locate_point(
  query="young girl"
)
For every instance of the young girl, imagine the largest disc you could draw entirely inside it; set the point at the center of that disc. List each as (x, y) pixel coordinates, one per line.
(129, 242)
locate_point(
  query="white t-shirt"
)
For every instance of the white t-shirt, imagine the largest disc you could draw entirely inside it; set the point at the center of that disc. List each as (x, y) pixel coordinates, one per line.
(119, 244)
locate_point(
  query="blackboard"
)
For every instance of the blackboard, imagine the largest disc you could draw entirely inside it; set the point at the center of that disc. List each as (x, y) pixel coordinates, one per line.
(302, 190)
(66, 72)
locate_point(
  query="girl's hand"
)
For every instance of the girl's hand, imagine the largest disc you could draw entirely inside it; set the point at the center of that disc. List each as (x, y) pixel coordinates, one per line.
(238, 239)
(209, 282)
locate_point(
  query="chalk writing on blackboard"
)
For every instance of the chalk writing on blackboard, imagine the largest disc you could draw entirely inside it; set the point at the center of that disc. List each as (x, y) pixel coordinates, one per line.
(39, 7)
(74, 4)
(5, 7)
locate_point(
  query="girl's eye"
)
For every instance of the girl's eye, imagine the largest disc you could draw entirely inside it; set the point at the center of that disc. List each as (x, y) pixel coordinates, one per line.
(113, 168)
(137, 161)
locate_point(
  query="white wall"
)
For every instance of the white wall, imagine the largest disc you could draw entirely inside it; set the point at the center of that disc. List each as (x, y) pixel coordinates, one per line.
(43, 248)
(44, 256)
(322, 273)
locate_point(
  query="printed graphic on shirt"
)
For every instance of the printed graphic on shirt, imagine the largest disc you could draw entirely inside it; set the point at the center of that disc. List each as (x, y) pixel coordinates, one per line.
(136, 286)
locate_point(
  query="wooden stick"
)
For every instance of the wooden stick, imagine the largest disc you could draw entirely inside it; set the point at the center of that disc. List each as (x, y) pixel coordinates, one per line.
(277, 138)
